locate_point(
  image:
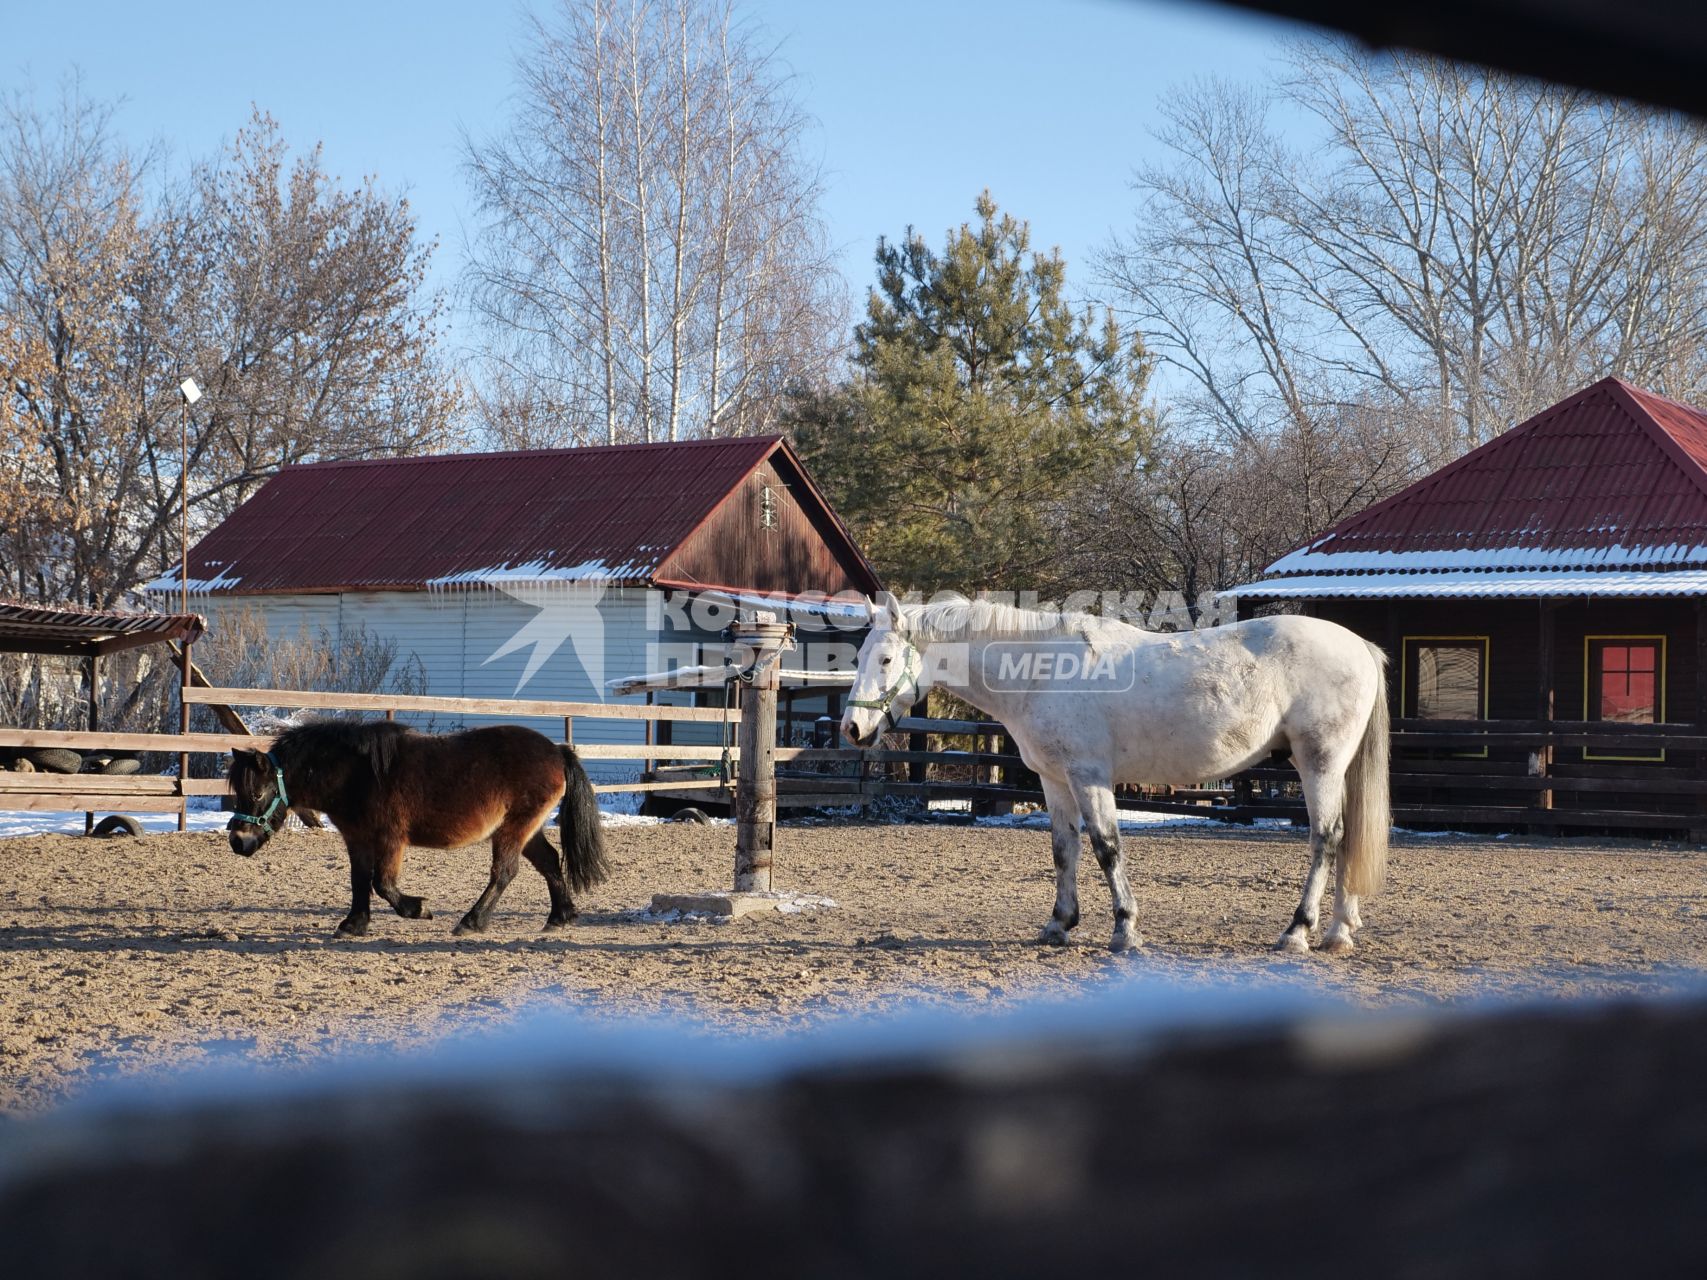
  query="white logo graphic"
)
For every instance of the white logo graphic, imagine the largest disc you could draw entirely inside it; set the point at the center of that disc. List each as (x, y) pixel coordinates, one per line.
(567, 611)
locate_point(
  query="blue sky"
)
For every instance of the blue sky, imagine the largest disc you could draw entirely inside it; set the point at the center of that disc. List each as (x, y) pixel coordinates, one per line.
(918, 105)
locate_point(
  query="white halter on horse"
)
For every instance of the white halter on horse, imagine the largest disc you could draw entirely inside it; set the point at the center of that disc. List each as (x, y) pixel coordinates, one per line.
(1091, 702)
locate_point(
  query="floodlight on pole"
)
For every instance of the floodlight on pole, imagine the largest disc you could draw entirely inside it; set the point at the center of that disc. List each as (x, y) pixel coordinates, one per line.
(190, 393)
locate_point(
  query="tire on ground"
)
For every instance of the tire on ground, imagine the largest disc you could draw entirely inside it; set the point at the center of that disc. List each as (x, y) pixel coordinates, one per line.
(121, 765)
(117, 824)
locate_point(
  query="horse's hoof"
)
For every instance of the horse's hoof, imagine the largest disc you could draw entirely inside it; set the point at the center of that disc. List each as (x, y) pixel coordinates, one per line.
(413, 909)
(351, 929)
(1337, 940)
(1053, 935)
(465, 925)
(1122, 943)
(1297, 943)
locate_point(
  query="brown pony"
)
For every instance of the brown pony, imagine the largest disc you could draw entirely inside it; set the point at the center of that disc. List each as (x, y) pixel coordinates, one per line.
(385, 786)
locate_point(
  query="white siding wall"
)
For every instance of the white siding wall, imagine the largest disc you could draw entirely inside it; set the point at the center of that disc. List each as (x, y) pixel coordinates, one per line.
(455, 634)
(287, 617)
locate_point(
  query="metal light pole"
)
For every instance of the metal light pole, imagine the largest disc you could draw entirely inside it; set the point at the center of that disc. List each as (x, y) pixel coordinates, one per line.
(190, 393)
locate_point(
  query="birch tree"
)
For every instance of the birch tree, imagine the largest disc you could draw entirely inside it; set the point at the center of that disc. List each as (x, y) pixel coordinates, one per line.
(650, 262)
(1462, 246)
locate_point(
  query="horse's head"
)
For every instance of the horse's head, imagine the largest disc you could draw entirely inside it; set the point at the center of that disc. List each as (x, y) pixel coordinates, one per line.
(890, 678)
(257, 783)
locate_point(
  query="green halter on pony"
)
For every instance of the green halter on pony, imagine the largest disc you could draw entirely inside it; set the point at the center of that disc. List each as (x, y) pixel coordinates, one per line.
(279, 801)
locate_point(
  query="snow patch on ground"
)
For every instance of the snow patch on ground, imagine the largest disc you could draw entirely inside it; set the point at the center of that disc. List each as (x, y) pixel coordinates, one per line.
(205, 815)
(787, 902)
(1131, 820)
(30, 822)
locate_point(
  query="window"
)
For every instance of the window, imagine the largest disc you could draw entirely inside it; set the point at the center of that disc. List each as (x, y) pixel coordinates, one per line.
(1624, 682)
(1446, 677)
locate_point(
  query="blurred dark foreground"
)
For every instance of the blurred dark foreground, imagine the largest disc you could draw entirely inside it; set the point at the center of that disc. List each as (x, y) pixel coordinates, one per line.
(1534, 1140)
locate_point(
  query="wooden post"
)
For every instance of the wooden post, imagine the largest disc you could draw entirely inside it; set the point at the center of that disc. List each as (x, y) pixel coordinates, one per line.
(761, 641)
(184, 666)
(1541, 758)
(916, 768)
(94, 720)
(1698, 834)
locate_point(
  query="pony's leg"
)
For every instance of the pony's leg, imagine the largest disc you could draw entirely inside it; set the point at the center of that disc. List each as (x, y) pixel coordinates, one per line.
(1102, 823)
(543, 855)
(508, 841)
(506, 856)
(354, 925)
(1064, 844)
(1324, 796)
(386, 868)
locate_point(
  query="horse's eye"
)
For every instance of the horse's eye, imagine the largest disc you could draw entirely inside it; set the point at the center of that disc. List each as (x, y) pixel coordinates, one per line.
(886, 662)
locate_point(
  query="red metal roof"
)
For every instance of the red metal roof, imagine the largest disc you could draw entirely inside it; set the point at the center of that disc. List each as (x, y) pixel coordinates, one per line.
(613, 513)
(1613, 477)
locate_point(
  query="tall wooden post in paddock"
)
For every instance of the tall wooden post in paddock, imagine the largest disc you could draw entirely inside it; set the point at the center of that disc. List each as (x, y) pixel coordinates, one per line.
(756, 645)
(759, 643)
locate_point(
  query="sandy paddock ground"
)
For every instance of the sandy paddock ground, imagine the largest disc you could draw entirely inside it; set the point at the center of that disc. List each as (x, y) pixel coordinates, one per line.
(139, 956)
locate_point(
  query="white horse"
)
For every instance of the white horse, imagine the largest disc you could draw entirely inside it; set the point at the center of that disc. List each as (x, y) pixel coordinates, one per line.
(1092, 702)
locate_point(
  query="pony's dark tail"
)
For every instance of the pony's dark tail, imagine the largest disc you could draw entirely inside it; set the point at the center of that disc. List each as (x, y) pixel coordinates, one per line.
(582, 838)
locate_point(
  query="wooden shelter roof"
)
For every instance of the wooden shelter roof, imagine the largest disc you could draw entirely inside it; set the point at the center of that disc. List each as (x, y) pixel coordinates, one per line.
(32, 628)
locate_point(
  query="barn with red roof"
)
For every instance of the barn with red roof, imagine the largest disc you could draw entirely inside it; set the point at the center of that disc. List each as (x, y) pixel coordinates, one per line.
(1543, 602)
(541, 573)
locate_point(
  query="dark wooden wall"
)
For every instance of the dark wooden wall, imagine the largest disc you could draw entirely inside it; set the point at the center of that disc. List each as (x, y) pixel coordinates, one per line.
(1535, 658)
(802, 550)
(1514, 628)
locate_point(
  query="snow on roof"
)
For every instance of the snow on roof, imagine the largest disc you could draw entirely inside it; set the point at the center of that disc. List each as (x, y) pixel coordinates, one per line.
(1468, 583)
(1611, 479)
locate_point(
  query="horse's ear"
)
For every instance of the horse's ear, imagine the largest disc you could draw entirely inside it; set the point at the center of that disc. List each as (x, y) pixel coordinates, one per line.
(885, 610)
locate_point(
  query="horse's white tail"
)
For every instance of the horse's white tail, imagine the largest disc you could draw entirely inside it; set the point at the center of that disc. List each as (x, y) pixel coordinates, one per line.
(1368, 810)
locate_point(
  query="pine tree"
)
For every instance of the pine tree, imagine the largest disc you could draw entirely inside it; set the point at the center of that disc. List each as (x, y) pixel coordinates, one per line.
(981, 405)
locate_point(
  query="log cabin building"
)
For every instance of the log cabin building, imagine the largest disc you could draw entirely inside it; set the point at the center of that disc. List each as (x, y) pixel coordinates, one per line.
(1543, 604)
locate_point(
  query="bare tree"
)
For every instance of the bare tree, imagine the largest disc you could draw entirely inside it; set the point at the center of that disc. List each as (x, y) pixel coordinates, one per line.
(651, 262)
(292, 303)
(1202, 513)
(1465, 246)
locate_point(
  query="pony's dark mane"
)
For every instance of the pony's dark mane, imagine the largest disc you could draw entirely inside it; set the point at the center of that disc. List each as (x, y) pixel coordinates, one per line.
(373, 740)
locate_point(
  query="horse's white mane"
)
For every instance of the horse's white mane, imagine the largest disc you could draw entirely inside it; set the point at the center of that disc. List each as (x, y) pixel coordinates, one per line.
(962, 619)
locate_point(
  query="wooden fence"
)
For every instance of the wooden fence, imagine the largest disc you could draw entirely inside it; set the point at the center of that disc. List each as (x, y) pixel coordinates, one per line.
(1528, 775)
(169, 794)
(1540, 775)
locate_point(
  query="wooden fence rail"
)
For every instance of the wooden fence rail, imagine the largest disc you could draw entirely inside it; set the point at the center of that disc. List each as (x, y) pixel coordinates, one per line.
(1434, 779)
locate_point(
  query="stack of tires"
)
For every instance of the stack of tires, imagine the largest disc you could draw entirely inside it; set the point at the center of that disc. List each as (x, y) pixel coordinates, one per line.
(63, 760)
